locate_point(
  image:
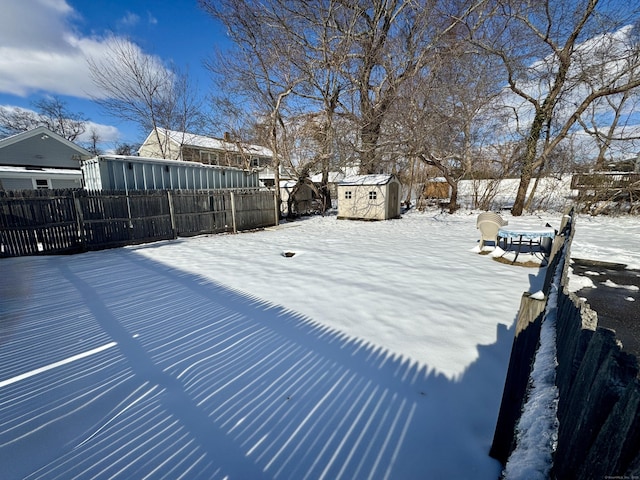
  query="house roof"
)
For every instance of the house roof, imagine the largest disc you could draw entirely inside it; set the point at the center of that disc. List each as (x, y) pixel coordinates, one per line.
(334, 177)
(367, 180)
(42, 131)
(202, 141)
(41, 148)
(19, 172)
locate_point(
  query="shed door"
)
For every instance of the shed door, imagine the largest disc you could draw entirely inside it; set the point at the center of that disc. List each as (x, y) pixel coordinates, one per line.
(394, 200)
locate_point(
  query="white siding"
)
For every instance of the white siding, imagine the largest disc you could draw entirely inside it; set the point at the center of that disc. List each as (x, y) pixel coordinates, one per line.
(16, 183)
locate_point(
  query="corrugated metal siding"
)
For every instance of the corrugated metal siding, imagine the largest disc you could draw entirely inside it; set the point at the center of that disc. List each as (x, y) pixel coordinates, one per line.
(131, 173)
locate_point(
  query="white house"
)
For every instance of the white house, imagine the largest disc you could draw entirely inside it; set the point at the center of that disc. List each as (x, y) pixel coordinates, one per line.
(334, 178)
(369, 197)
(189, 147)
(40, 159)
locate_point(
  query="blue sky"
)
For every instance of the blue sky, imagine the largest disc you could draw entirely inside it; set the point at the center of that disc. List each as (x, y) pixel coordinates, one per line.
(44, 43)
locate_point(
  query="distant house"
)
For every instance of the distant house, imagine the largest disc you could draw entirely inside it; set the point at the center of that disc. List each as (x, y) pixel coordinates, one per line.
(40, 159)
(190, 147)
(334, 178)
(369, 197)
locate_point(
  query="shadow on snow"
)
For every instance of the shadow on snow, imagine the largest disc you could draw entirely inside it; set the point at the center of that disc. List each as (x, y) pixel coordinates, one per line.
(205, 382)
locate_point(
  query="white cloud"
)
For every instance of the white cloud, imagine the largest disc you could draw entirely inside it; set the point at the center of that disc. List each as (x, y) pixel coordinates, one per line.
(602, 60)
(106, 133)
(34, 25)
(25, 71)
(42, 52)
(129, 20)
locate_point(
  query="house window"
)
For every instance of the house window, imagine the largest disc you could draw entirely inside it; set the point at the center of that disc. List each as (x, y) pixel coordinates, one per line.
(42, 184)
(347, 194)
(208, 158)
(373, 195)
(255, 162)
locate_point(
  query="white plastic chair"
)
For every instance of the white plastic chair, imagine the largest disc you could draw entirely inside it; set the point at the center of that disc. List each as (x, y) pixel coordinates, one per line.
(489, 223)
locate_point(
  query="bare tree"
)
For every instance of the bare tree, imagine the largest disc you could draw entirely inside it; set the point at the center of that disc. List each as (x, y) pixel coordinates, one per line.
(139, 88)
(330, 60)
(321, 54)
(258, 75)
(441, 115)
(52, 113)
(126, 149)
(620, 108)
(94, 141)
(539, 45)
(390, 43)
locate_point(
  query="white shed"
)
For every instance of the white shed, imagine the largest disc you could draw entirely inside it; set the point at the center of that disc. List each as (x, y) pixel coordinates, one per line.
(369, 197)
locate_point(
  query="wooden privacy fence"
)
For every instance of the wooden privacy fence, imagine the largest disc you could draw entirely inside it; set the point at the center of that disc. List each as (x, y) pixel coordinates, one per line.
(598, 384)
(46, 222)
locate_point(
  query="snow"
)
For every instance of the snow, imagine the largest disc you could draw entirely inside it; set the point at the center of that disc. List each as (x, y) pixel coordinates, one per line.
(537, 428)
(191, 139)
(378, 350)
(611, 239)
(381, 179)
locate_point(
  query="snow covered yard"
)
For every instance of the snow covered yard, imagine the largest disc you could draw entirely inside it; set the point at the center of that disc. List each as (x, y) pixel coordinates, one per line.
(378, 350)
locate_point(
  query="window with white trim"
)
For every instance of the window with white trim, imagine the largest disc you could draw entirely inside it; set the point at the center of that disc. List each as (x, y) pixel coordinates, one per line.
(373, 195)
(41, 184)
(347, 195)
(208, 158)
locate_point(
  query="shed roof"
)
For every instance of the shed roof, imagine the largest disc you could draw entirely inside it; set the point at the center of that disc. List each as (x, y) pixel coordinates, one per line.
(381, 179)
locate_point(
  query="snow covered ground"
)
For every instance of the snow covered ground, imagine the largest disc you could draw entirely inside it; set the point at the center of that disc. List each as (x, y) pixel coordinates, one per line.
(378, 350)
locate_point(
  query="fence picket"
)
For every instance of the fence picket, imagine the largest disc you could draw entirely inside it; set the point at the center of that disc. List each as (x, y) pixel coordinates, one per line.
(55, 222)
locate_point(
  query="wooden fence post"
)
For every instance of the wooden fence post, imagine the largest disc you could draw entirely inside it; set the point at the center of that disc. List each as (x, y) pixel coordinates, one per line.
(523, 350)
(233, 212)
(79, 219)
(171, 214)
(276, 208)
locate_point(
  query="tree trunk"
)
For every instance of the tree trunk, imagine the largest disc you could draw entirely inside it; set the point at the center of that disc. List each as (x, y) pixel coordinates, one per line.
(276, 164)
(410, 190)
(453, 201)
(326, 149)
(528, 163)
(518, 204)
(369, 135)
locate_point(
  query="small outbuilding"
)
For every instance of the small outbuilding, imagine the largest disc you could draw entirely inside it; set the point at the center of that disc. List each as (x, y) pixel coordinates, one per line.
(40, 159)
(369, 197)
(295, 198)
